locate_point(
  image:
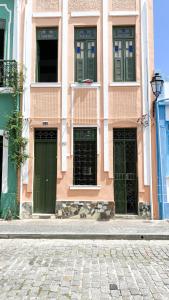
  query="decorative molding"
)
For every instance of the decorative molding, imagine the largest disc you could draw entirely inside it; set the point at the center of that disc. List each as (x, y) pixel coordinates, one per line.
(77, 14)
(85, 5)
(123, 13)
(47, 5)
(125, 84)
(118, 5)
(7, 56)
(47, 15)
(45, 85)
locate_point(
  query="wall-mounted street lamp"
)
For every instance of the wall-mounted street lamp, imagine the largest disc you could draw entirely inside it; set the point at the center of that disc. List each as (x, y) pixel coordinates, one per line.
(157, 86)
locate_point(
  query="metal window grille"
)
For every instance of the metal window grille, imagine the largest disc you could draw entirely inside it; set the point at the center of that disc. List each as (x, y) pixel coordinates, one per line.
(45, 134)
(85, 156)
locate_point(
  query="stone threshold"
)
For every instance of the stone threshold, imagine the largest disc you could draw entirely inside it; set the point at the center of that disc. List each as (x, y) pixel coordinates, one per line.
(43, 216)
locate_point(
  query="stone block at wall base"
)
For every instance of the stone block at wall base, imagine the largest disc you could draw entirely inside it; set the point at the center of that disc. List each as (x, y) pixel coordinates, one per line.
(144, 210)
(26, 210)
(84, 210)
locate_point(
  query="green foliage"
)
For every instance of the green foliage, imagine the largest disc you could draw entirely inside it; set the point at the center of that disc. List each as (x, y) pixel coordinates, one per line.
(17, 145)
(16, 80)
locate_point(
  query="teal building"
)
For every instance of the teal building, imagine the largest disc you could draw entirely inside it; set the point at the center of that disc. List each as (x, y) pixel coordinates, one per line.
(8, 103)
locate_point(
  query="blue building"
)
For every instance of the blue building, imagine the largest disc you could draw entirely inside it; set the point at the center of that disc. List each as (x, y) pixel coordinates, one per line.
(162, 131)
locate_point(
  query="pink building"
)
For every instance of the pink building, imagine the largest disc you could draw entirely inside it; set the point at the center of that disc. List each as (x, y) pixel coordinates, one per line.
(88, 67)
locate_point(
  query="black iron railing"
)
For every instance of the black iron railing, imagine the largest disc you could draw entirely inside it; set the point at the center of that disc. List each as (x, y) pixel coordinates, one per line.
(8, 73)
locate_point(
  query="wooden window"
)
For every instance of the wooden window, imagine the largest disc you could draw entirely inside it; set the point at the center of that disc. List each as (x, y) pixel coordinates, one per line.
(124, 53)
(85, 54)
(85, 156)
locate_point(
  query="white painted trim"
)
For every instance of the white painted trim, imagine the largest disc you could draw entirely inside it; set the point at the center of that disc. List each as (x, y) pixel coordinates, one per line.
(4, 163)
(6, 90)
(26, 95)
(64, 82)
(77, 14)
(147, 140)
(145, 92)
(7, 55)
(106, 146)
(85, 187)
(77, 85)
(45, 85)
(47, 15)
(16, 35)
(106, 82)
(125, 84)
(123, 13)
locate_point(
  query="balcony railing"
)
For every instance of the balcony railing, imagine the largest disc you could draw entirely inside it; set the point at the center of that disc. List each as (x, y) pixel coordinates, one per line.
(8, 73)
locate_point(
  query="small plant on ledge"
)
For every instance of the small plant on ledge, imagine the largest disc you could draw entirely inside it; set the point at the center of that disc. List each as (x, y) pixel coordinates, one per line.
(17, 145)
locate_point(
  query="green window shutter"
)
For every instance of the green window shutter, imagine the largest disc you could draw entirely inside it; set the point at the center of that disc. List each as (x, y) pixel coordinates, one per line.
(118, 60)
(85, 54)
(129, 58)
(80, 60)
(124, 53)
(91, 61)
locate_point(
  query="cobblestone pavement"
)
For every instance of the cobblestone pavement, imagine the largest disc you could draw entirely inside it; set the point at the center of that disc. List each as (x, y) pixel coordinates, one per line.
(52, 269)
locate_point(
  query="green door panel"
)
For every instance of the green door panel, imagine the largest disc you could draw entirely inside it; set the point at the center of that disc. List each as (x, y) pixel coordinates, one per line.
(45, 175)
(125, 171)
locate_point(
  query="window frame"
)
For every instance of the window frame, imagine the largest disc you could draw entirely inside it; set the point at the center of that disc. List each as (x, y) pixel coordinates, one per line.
(93, 131)
(40, 28)
(86, 41)
(123, 40)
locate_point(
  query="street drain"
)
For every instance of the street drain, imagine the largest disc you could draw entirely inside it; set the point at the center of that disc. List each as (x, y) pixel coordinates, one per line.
(113, 287)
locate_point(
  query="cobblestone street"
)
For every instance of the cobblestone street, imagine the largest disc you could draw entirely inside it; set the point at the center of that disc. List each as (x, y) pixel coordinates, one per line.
(53, 269)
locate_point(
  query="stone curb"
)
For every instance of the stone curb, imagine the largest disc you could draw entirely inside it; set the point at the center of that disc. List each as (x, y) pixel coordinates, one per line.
(77, 236)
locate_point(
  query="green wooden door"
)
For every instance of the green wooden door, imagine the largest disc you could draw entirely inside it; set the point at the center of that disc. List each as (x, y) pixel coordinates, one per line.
(45, 171)
(125, 171)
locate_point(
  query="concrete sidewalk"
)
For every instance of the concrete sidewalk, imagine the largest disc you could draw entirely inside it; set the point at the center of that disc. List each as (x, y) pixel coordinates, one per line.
(85, 229)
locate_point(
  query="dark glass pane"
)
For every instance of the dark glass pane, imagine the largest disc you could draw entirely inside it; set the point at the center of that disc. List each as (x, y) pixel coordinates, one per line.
(85, 156)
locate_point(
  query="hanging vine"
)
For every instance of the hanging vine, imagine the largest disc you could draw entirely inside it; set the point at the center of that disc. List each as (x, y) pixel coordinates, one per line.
(16, 80)
(17, 143)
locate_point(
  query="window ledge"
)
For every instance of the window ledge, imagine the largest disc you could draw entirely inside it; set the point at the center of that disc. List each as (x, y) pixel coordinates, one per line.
(85, 14)
(46, 85)
(47, 15)
(85, 187)
(124, 13)
(77, 85)
(125, 84)
(6, 90)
